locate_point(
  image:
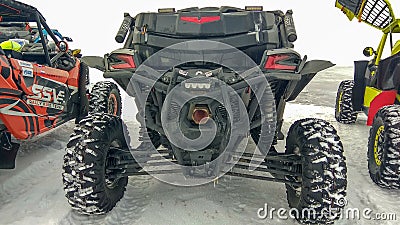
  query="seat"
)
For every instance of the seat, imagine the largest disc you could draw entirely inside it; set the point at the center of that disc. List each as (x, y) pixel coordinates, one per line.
(33, 52)
(13, 54)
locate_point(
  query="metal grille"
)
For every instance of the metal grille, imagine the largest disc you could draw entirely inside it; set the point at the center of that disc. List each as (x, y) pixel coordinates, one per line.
(377, 13)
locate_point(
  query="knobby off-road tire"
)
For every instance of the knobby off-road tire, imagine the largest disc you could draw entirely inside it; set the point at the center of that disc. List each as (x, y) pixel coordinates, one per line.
(324, 172)
(344, 112)
(105, 98)
(85, 179)
(384, 148)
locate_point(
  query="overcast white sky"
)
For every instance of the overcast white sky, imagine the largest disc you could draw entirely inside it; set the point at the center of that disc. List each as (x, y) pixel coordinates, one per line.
(323, 31)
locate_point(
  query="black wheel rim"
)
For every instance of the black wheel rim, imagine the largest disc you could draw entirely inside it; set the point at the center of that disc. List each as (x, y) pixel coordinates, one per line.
(379, 141)
(112, 107)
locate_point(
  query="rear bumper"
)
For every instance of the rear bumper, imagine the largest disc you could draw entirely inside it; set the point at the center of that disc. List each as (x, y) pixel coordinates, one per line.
(127, 76)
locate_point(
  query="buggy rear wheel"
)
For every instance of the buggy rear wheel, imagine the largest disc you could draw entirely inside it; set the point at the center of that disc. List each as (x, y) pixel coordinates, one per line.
(323, 180)
(344, 112)
(383, 148)
(105, 98)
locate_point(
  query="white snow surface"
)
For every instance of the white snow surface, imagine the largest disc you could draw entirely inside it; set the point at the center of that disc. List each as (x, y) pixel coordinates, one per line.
(33, 194)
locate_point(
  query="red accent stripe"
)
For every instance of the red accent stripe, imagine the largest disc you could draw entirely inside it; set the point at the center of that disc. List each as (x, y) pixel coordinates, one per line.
(200, 20)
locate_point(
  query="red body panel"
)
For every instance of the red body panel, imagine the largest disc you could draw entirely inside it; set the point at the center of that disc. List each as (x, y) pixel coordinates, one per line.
(35, 98)
(383, 99)
(73, 77)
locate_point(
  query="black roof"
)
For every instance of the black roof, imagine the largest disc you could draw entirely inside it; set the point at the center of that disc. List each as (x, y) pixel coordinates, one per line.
(14, 11)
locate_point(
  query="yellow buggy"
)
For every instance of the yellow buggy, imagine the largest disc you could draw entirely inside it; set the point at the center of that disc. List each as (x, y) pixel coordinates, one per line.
(375, 90)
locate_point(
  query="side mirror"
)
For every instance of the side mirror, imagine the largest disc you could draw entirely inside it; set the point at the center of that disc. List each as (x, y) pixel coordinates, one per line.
(369, 51)
(62, 46)
(68, 39)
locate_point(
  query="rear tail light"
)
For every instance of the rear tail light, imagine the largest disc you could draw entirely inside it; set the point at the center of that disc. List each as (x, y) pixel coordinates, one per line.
(282, 62)
(122, 61)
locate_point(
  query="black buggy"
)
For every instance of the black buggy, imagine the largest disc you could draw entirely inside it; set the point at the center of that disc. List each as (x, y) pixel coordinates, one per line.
(198, 71)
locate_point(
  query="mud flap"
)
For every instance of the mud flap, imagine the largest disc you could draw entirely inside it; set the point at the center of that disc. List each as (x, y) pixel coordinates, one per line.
(96, 62)
(83, 102)
(310, 69)
(360, 68)
(8, 151)
(383, 99)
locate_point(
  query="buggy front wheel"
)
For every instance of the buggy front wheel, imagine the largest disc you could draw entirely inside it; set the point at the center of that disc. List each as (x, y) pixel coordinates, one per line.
(383, 148)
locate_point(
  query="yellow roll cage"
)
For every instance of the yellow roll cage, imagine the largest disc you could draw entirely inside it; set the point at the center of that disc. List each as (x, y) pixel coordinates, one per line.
(378, 14)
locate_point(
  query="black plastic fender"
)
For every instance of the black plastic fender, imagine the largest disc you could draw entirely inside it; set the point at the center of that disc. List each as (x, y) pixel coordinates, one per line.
(310, 69)
(96, 62)
(360, 76)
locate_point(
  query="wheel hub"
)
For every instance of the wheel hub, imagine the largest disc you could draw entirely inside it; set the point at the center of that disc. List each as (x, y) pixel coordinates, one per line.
(112, 104)
(339, 103)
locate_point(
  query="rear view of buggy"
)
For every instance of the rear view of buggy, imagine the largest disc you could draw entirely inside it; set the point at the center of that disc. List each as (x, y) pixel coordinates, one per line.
(203, 81)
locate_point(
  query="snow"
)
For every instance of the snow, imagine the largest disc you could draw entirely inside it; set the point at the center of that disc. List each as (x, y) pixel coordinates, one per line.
(33, 193)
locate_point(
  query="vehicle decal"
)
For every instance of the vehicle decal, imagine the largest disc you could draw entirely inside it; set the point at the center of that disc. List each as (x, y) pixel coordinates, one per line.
(27, 72)
(7, 110)
(74, 89)
(45, 104)
(8, 91)
(46, 97)
(25, 64)
(55, 81)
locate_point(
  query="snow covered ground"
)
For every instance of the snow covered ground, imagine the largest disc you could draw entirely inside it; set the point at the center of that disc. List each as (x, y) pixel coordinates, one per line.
(33, 194)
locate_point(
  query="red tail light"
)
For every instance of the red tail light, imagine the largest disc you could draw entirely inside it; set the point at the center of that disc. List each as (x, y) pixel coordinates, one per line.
(281, 62)
(122, 61)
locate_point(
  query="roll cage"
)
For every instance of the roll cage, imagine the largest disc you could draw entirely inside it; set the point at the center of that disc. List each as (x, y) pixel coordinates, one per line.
(14, 11)
(376, 13)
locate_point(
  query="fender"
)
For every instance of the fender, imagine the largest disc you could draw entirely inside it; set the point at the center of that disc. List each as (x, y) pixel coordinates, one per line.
(95, 62)
(310, 69)
(360, 70)
(383, 99)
